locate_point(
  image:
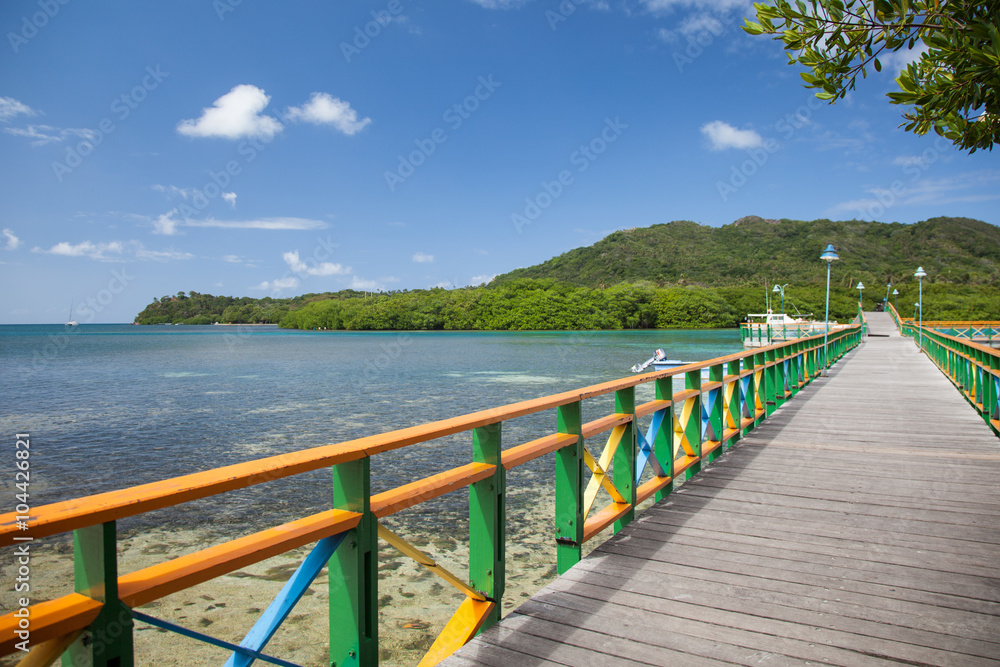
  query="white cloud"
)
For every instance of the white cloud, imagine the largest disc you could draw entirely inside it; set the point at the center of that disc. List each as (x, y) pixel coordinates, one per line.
(46, 134)
(278, 284)
(98, 251)
(236, 114)
(113, 251)
(695, 25)
(166, 224)
(422, 258)
(444, 284)
(896, 61)
(723, 136)
(318, 269)
(479, 280)
(12, 241)
(169, 223)
(11, 108)
(230, 198)
(322, 109)
(363, 284)
(232, 259)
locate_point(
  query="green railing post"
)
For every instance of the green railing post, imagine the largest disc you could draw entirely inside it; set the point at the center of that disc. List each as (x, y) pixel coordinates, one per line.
(759, 387)
(487, 521)
(108, 640)
(733, 408)
(770, 383)
(569, 489)
(663, 442)
(715, 422)
(353, 571)
(692, 430)
(780, 377)
(993, 395)
(623, 462)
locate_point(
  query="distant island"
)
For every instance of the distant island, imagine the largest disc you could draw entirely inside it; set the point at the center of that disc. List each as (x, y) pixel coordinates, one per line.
(675, 275)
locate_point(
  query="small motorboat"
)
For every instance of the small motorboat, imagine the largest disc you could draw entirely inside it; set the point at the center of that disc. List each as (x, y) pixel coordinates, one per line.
(659, 362)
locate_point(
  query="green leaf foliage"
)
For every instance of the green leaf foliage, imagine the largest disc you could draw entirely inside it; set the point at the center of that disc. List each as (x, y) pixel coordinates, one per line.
(953, 87)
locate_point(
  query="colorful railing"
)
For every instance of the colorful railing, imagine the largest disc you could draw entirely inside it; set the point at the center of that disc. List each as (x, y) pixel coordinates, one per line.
(972, 367)
(685, 428)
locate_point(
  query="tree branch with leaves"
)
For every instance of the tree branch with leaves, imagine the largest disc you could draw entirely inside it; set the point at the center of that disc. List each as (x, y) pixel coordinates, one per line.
(952, 87)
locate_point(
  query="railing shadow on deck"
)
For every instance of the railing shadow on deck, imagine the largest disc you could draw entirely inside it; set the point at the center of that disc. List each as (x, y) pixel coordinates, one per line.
(686, 428)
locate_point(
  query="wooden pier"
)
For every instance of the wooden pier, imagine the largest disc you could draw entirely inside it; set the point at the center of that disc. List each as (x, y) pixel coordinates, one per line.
(856, 526)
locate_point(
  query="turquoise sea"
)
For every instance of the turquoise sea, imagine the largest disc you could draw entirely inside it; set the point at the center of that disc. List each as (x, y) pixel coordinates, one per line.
(111, 406)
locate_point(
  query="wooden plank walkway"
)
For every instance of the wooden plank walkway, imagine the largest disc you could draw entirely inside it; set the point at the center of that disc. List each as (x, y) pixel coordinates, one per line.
(857, 526)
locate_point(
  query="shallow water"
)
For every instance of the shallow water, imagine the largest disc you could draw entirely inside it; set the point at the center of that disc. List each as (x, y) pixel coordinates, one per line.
(111, 406)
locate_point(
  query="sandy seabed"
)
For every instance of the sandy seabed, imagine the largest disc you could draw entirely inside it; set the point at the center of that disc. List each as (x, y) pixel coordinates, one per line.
(414, 604)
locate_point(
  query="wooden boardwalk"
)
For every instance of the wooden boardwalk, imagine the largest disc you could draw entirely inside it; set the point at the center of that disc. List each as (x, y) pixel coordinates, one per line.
(857, 526)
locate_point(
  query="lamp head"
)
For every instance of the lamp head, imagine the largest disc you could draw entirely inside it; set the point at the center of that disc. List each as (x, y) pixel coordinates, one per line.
(776, 289)
(829, 253)
(920, 273)
(895, 292)
(861, 285)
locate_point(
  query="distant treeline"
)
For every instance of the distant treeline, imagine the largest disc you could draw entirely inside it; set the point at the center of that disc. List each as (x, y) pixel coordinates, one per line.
(545, 304)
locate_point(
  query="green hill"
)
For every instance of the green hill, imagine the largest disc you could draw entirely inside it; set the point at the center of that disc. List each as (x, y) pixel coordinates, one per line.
(680, 274)
(751, 250)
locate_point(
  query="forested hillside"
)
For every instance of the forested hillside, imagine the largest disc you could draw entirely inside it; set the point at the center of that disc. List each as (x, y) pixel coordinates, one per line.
(751, 250)
(680, 274)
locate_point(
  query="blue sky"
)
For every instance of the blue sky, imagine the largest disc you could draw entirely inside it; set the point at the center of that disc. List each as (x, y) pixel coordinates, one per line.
(254, 148)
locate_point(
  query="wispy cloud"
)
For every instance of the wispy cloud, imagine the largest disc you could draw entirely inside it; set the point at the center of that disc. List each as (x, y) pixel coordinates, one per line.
(260, 223)
(971, 187)
(500, 4)
(98, 251)
(724, 136)
(480, 280)
(12, 242)
(46, 134)
(663, 6)
(169, 224)
(11, 108)
(162, 255)
(235, 115)
(323, 109)
(113, 251)
(422, 258)
(229, 198)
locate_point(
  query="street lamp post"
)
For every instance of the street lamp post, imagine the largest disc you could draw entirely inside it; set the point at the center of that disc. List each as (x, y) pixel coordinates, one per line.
(895, 293)
(829, 254)
(861, 287)
(915, 306)
(781, 288)
(885, 301)
(920, 275)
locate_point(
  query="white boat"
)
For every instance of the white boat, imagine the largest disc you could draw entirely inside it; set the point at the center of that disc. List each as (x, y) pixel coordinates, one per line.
(763, 329)
(659, 362)
(71, 322)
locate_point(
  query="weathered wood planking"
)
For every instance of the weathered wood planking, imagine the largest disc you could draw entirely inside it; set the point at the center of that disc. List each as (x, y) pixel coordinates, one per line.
(857, 526)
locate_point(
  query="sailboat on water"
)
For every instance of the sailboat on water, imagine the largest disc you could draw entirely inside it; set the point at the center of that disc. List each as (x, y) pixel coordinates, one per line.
(71, 322)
